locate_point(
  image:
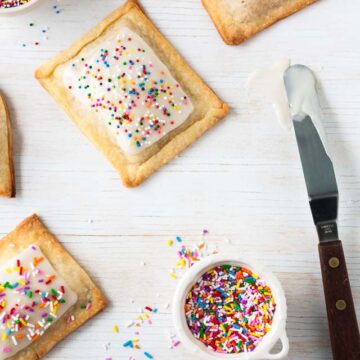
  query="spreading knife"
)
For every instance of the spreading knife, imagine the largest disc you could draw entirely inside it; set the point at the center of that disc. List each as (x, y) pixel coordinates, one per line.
(324, 198)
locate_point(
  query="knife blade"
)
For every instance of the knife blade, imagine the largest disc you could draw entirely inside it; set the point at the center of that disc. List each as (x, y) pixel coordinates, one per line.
(320, 179)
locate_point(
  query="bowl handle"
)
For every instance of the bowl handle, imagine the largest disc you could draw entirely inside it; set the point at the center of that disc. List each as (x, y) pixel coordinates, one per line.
(284, 351)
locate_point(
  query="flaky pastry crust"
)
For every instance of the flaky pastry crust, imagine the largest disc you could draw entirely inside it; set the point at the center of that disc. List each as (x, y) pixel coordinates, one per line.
(32, 232)
(7, 173)
(208, 108)
(239, 20)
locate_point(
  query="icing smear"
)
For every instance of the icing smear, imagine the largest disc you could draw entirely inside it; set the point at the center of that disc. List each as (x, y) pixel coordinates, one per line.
(126, 86)
(32, 298)
(268, 85)
(303, 99)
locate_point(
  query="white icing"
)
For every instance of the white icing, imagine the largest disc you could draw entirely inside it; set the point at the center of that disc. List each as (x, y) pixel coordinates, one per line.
(27, 298)
(303, 98)
(120, 86)
(267, 85)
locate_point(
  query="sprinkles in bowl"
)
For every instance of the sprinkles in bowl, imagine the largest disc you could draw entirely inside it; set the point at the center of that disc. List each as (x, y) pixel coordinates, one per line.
(230, 309)
(6, 4)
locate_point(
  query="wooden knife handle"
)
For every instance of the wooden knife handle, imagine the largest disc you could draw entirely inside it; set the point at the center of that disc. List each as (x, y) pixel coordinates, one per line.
(343, 326)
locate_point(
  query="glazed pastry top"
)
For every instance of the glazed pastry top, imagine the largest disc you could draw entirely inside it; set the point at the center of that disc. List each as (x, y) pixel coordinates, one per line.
(129, 88)
(32, 297)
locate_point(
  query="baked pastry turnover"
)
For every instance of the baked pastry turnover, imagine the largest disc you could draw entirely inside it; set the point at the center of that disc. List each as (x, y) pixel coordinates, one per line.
(44, 294)
(7, 176)
(238, 20)
(131, 93)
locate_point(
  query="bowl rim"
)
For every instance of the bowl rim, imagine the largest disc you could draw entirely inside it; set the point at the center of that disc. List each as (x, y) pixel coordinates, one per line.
(278, 330)
(19, 8)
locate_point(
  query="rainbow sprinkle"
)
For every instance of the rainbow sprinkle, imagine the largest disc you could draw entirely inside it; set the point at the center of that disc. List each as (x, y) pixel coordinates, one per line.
(144, 316)
(115, 329)
(229, 309)
(174, 342)
(189, 255)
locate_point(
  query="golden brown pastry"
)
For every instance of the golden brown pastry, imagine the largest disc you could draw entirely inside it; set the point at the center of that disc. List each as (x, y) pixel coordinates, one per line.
(238, 20)
(131, 93)
(7, 176)
(44, 293)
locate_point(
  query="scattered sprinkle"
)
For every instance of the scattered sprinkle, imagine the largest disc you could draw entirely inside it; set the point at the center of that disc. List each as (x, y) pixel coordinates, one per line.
(116, 329)
(172, 276)
(149, 356)
(129, 324)
(143, 317)
(56, 9)
(188, 256)
(128, 343)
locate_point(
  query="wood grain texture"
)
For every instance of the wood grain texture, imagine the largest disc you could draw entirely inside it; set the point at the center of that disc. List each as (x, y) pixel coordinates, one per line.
(343, 324)
(242, 180)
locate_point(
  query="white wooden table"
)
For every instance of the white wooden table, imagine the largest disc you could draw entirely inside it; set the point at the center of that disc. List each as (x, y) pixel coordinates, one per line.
(242, 181)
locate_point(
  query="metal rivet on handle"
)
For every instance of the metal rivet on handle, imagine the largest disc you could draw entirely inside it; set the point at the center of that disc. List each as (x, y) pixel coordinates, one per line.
(334, 262)
(341, 305)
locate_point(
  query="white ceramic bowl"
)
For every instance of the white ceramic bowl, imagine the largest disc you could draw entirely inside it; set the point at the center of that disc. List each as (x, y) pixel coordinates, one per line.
(20, 9)
(278, 329)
